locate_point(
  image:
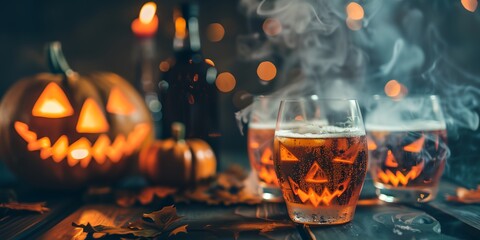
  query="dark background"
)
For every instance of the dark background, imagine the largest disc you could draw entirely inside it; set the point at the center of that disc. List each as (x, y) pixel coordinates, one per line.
(96, 36)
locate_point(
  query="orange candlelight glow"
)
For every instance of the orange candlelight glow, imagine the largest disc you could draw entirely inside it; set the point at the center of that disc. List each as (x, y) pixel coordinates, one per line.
(146, 24)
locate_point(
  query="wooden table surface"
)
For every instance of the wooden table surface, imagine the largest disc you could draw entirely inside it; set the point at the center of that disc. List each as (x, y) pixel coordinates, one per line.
(373, 220)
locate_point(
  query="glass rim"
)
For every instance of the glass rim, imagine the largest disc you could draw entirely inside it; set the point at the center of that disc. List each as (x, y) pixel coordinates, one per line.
(316, 98)
(413, 96)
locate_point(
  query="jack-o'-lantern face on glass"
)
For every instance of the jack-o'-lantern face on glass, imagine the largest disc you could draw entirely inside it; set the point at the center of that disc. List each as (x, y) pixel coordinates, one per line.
(324, 172)
(403, 158)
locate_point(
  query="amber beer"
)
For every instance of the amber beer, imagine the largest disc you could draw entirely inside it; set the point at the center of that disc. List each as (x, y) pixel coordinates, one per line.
(260, 152)
(407, 162)
(321, 175)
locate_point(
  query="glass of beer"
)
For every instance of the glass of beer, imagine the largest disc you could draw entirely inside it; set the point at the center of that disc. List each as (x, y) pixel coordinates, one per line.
(261, 129)
(407, 147)
(320, 156)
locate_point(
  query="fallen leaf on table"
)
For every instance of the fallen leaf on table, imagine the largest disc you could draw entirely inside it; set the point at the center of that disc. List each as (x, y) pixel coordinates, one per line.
(148, 194)
(31, 207)
(144, 197)
(178, 230)
(225, 188)
(164, 218)
(154, 224)
(465, 195)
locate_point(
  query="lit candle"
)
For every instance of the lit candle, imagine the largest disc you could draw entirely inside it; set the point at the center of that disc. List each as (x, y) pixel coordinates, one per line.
(146, 24)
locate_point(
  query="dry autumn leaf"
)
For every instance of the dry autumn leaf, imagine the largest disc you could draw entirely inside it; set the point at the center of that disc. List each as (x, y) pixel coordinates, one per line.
(466, 196)
(164, 221)
(144, 197)
(226, 188)
(31, 207)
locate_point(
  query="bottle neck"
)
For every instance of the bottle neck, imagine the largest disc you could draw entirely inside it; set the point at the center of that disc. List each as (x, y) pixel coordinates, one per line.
(187, 37)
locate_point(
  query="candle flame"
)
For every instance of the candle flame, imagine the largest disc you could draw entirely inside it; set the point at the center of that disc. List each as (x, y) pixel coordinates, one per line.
(147, 13)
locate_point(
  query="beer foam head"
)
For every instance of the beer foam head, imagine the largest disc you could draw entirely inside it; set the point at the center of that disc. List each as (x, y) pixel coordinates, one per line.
(425, 125)
(311, 131)
(261, 125)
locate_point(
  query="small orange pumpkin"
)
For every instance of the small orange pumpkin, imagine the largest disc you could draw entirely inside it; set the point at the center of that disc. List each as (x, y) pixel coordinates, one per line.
(178, 162)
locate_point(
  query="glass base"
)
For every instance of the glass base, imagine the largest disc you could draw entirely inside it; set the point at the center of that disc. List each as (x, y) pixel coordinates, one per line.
(407, 195)
(324, 215)
(271, 194)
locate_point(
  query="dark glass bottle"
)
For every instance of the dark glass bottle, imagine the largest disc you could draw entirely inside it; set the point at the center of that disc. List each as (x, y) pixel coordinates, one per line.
(187, 90)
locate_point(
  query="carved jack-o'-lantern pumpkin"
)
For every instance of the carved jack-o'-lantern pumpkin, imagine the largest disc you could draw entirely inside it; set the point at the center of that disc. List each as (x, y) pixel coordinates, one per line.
(65, 130)
(405, 158)
(325, 172)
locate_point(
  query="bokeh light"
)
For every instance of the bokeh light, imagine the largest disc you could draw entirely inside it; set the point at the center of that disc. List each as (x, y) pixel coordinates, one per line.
(266, 71)
(272, 27)
(225, 82)
(393, 88)
(164, 66)
(355, 11)
(470, 5)
(215, 32)
(210, 62)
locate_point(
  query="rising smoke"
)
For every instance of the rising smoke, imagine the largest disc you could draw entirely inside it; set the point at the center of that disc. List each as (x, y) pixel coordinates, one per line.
(397, 40)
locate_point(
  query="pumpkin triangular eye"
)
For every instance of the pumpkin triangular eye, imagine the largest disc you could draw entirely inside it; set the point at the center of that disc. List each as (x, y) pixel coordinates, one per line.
(118, 103)
(91, 119)
(416, 146)
(52, 103)
(390, 160)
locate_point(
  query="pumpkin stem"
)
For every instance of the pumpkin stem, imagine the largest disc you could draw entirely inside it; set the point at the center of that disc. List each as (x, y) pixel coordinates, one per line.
(56, 61)
(178, 131)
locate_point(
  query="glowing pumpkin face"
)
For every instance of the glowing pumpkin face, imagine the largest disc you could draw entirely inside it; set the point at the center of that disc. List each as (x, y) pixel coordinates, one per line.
(65, 132)
(402, 159)
(321, 171)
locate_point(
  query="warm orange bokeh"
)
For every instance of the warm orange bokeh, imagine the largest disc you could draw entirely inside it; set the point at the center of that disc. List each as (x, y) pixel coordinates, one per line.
(470, 5)
(225, 82)
(215, 32)
(164, 66)
(266, 71)
(354, 11)
(180, 28)
(393, 88)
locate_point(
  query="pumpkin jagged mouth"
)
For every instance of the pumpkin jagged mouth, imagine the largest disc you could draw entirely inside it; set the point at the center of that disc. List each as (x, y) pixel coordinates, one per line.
(388, 177)
(82, 151)
(326, 195)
